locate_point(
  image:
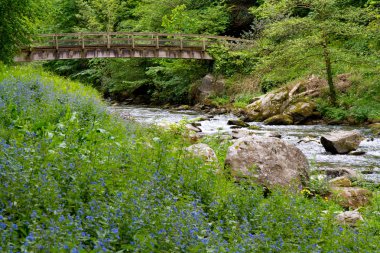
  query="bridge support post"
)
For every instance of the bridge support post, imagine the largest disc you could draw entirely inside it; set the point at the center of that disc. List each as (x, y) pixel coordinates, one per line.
(108, 41)
(56, 42)
(82, 40)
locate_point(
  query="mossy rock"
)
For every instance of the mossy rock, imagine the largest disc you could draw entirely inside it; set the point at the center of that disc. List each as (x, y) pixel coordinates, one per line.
(254, 127)
(237, 122)
(300, 111)
(281, 119)
(375, 128)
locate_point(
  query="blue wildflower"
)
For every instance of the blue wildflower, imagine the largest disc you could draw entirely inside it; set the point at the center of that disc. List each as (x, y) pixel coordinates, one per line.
(30, 237)
(3, 225)
(89, 218)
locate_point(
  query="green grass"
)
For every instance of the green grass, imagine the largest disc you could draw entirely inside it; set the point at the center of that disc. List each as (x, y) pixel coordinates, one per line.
(76, 179)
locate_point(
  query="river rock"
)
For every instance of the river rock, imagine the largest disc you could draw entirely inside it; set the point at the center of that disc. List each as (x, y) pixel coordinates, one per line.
(196, 124)
(203, 151)
(342, 142)
(300, 111)
(375, 128)
(340, 182)
(209, 85)
(254, 127)
(273, 135)
(351, 197)
(237, 134)
(183, 107)
(357, 152)
(237, 122)
(350, 218)
(268, 161)
(280, 119)
(267, 106)
(193, 128)
(339, 172)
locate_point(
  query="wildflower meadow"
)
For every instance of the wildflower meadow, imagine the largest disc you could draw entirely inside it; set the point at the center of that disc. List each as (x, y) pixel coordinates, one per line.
(76, 178)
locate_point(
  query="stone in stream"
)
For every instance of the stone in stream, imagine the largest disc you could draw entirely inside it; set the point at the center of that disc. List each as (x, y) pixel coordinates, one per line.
(196, 124)
(300, 111)
(342, 142)
(350, 218)
(268, 161)
(183, 107)
(203, 151)
(193, 128)
(339, 172)
(375, 128)
(274, 135)
(254, 127)
(237, 122)
(237, 134)
(280, 119)
(357, 152)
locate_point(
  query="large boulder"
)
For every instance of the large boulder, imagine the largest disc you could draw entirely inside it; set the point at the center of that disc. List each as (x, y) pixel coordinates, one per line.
(267, 105)
(301, 111)
(209, 85)
(203, 151)
(342, 142)
(268, 161)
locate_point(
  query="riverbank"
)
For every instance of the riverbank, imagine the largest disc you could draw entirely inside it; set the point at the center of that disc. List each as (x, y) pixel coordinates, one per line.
(76, 178)
(301, 102)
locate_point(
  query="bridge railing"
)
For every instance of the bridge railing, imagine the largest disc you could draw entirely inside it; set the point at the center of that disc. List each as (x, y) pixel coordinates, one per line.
(121, 39)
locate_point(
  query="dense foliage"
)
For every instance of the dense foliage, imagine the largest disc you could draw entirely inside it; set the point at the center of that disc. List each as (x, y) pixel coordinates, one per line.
(75, 178)
(15, 18)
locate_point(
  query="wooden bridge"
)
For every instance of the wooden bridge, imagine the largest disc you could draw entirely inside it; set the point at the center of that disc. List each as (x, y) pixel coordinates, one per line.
(121, 45)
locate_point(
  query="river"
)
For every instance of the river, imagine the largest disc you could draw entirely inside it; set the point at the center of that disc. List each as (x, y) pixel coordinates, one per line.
(306, 138)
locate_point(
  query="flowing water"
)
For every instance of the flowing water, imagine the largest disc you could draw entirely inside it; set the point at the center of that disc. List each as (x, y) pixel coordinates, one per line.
(305, 138)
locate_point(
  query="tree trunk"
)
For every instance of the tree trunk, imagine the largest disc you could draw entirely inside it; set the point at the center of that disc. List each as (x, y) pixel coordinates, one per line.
(326, 55)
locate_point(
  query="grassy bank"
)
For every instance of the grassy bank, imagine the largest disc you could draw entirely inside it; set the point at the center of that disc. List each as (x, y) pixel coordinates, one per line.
(76, 179)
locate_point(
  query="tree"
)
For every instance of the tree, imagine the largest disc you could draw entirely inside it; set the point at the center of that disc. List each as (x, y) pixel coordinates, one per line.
(209, 20)
(304, 30)
(16, 18)
(100, 15)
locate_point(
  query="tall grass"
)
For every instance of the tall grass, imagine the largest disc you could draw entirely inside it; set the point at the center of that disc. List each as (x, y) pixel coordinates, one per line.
(74, 178)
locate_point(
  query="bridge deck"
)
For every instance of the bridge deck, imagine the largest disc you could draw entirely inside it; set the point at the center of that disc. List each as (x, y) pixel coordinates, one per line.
(121, 45)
